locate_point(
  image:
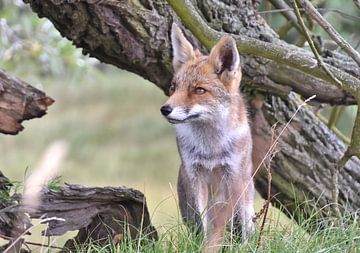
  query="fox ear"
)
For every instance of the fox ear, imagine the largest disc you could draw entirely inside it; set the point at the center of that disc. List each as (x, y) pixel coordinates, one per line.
(182, 49)
(224, 56)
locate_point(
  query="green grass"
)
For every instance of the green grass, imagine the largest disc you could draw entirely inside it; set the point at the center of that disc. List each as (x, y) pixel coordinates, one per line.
(275, 238)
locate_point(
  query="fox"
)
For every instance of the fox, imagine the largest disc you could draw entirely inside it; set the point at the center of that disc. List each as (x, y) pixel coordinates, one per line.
(215, 185)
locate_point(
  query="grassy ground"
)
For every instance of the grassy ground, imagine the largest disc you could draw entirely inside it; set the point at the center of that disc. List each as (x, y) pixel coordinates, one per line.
(327, 235)
(332, 238)
(116, 136)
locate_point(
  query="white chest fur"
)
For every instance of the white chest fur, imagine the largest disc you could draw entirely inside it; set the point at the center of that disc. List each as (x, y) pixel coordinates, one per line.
(210, 146)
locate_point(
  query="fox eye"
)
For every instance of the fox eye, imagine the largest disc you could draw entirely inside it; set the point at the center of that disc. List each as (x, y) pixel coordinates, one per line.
(199, 91)
(171, 89)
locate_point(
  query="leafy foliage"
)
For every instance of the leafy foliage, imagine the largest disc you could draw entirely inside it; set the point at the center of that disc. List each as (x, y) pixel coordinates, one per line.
(29, 44)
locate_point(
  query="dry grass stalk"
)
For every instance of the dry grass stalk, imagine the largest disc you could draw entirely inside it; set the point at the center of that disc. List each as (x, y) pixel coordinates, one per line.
(42, 175)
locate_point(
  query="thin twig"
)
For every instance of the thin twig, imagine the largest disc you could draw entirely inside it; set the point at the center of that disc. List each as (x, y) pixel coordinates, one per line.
(318, 2)
(334, 116)
(28, 230)
(311, 11)
(335, 191)
(42, 245)
(272, 146)
(30, 243)
(311, 43)
(353, 149)
(335, 181)
(266, 209)
(279, 52)
(280, 4)
(325, 10)
(267, 166)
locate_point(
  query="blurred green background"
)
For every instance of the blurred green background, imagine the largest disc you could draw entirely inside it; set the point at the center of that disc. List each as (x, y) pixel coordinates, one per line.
(108, 117)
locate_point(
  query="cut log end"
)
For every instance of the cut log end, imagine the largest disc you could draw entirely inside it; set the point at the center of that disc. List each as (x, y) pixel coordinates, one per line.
(19, 101)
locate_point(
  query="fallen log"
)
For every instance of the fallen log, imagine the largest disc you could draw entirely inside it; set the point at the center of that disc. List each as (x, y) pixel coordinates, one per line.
(101, 214)
(78, 205)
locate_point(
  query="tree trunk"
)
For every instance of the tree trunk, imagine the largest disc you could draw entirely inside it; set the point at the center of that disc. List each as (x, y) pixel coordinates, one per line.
(305, 156)
(134, 35)
(18, 102)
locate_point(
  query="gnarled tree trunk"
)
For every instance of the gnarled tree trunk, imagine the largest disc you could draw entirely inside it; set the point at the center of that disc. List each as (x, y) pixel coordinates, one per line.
(134, 35)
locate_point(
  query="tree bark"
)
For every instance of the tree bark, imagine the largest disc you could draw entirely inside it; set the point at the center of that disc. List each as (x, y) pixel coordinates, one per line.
(305, 156)
(79, 206)
(18, 102)
(134, 35)
(99, 213)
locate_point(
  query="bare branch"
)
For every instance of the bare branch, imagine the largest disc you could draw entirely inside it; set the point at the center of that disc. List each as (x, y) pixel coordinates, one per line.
(322, 10)
(339, 166)
(31, 243)
(280, 4)
(310, 10)
(289, 55)
(311, 43)
(287, 76)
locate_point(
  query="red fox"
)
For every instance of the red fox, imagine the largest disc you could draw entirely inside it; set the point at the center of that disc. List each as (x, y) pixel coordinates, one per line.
(215, 185)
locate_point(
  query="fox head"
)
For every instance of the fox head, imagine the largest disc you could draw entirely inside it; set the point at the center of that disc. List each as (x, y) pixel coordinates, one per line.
(203, 86)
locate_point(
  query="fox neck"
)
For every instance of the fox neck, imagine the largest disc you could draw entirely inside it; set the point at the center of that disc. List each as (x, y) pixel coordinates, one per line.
(214, 143)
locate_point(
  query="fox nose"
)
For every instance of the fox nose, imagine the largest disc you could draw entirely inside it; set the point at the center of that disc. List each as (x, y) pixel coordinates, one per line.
(166, 110)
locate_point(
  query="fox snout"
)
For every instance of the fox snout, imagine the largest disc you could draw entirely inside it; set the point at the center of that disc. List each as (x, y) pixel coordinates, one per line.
(166, 110)
(182, 114)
